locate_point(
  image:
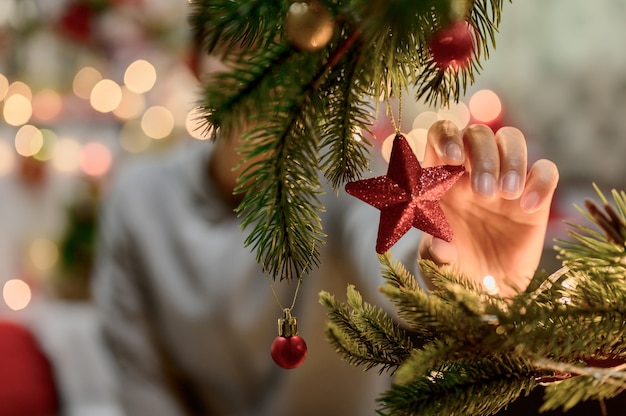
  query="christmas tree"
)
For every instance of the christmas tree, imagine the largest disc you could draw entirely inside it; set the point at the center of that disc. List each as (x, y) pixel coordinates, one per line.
(310, 75)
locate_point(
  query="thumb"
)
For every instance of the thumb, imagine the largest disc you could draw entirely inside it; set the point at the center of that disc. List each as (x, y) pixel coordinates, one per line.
(437, 250)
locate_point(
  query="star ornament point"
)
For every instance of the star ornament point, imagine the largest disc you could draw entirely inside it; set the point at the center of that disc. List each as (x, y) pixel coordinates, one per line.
(407, 196)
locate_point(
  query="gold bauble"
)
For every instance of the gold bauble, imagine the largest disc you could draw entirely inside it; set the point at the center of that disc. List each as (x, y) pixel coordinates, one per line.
(309, 26)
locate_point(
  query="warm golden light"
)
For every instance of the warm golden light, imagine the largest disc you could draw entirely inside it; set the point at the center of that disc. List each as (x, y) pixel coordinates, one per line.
(95, 159)
(140, 76)
(66, 156)
(490, 284)
(385, 148)
(28, 140)
(194, 126)
(157, 122)
(19, 88)
(105, 96)
(16, 294)
(425, 119)
(47, 105)
(7, 158)
(43, 254)
(132, 137)
(458, 113)
(131, 106)
(17, 110)
(84, 81)
(417, 140)
(4, 86)
(485, 106)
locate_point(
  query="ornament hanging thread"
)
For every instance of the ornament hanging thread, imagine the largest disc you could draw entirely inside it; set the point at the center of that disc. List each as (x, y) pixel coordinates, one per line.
(288, 349)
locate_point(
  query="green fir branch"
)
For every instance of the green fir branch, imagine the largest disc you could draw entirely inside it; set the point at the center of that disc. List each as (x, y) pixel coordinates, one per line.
(481, 387)
(222, 25)
(379, 48)
(592, 383)
(363, 335)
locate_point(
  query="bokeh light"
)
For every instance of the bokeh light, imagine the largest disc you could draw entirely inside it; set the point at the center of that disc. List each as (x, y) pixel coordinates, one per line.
(19, 88)
(140, 76)
(7, 158)
(28, 140)
(105, 96)
(84, 81)
(67, 154)
(458, 113)
(49, 143)
(425, 119)
(485, 106)
(95, 159)
(132, 137)
(43, 254)
(490, 285)
(17, 109)
(131, 105)
(194, 125)
(417, 140)
(47, 105)
(157, 122)
(4, 86)
(16, 294)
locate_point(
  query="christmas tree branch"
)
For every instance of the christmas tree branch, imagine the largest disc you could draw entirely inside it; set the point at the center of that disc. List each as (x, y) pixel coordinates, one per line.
(318, 100)
(363, 334)
(566, 331)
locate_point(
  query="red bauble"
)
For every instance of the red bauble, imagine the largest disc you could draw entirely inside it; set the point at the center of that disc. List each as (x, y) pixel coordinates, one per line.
(407, 196)
(77, 21)
(452, 46)
(288, 352)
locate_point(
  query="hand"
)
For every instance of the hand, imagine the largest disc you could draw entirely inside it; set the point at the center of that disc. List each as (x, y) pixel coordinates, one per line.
(498, 210)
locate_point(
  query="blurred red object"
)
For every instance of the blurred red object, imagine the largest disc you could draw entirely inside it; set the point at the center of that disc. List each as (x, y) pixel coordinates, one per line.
(27, 384)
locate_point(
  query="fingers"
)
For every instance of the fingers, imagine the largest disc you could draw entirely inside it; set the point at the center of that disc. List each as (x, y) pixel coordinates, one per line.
(497, 162)
(439, 251)
(484, 159)
(513, 161)
(444, 144)
(540, 186)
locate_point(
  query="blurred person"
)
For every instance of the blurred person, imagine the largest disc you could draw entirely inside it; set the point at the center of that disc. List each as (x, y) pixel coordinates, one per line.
(187, 312)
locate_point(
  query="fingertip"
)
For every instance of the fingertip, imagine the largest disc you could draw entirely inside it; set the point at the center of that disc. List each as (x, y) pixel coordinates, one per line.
(442, 252)
(446, 139)
(541, 184)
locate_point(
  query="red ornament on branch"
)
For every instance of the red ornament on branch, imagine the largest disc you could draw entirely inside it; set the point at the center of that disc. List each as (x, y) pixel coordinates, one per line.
(408, 196)
(452, 46)
(288, 349)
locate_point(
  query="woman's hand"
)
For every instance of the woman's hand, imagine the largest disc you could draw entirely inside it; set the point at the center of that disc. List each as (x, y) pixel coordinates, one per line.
(498, 210)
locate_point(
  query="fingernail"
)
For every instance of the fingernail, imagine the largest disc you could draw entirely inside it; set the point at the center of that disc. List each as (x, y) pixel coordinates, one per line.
(454, 152)
(530, 201)
(510, 183)
(486, 184)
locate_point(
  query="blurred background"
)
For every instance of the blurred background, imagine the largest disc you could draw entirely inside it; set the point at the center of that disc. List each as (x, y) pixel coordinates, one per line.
(88, 85)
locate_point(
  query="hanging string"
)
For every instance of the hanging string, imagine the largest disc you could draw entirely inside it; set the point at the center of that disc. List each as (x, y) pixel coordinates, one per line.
(295, 295)
(396, 125)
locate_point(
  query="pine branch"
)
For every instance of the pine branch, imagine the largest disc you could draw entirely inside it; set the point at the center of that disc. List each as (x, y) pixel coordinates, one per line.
(594, 384)
(481, 387)
(318, 100)
(221, 25)
(363, 334)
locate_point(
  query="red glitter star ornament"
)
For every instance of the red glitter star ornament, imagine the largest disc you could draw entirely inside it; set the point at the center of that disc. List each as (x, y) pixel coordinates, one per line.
(407, 196)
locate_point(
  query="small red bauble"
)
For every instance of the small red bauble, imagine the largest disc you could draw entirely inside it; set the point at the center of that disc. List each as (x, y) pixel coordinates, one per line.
(452, 46)
(288, 352)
